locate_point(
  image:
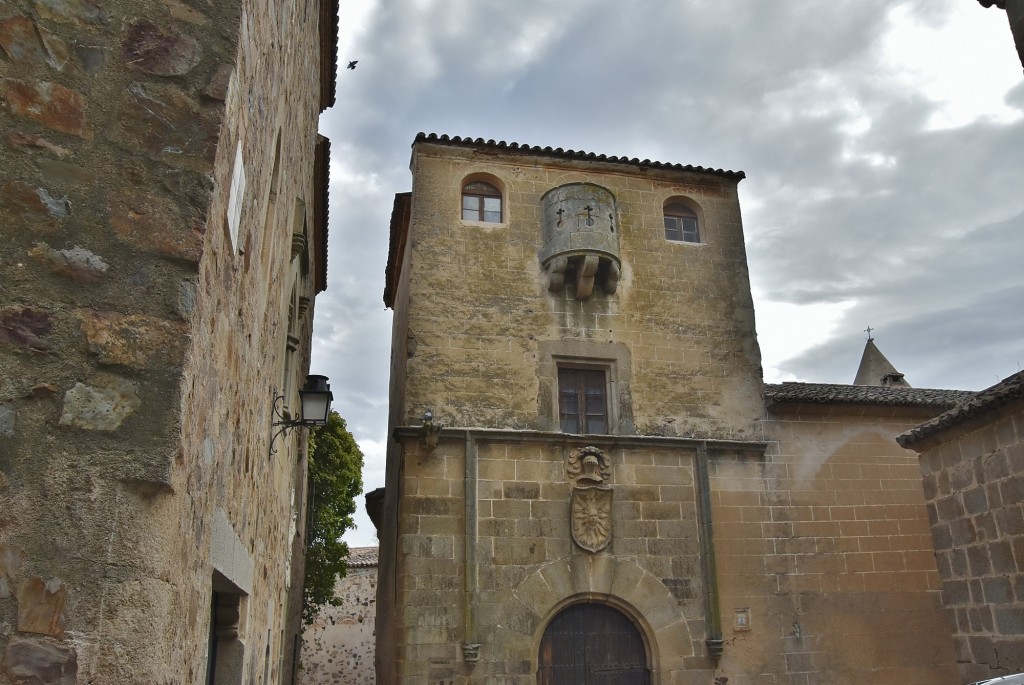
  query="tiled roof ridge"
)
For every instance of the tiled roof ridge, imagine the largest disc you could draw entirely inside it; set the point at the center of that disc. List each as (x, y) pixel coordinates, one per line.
(570, 154)
(834, 393)
(362, 557)
(1003, 392)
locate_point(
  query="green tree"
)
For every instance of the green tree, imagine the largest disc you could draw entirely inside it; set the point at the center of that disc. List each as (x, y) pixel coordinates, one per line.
(335, 480)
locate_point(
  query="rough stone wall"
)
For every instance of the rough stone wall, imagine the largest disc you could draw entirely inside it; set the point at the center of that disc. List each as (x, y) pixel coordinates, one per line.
(974, 485)
(138, 351)
(338, 648)
(683, 310)
(825, 544)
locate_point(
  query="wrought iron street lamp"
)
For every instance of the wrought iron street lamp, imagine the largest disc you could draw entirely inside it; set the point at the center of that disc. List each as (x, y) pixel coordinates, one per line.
(315, 398)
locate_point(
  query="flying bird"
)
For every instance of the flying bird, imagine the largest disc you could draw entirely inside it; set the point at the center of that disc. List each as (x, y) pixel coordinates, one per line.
(352, 64)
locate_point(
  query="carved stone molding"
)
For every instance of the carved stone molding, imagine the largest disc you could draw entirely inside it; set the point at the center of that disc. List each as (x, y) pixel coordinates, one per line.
(588, 466)
(471, 652)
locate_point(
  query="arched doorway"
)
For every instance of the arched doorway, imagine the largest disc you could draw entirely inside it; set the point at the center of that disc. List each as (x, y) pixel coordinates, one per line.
(592, 644)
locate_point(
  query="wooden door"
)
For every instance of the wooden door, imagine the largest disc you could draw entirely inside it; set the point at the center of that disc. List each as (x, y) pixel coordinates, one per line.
(592, 644)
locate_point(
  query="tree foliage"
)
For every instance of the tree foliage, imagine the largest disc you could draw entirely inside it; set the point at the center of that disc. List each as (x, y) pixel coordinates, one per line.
(335, 480)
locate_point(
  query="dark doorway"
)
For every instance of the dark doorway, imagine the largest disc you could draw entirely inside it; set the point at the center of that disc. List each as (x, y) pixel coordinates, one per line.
(592, 644)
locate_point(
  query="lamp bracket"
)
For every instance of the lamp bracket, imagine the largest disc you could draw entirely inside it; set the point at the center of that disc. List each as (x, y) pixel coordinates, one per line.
(285, 424)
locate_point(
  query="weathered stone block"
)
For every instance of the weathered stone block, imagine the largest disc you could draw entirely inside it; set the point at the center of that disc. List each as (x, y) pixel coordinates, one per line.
(102, 405)
(25, 327)
(521, 490)
(32, 142)
(62, 173)
(978, 559)
(519, 618)
(49, 104)
(7, 421)
(159, 50)
(76, 263)
(80, 11)
(10, 564)
(162, 121)
(1001, 554)
(135, 340)
(33, 662)
(19, 40)
(997, 590)
(32, 206)
(1009, 620)
(217, 89)
(92, 58)
(151, 223)
(41, 606)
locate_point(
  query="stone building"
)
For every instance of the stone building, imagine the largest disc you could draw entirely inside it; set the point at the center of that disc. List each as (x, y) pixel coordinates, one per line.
(589, 481)
(338, 647)
(163, 237)
(972, 459)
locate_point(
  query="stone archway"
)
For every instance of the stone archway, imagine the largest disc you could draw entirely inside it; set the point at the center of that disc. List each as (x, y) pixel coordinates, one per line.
(603, 579)
(591, 643)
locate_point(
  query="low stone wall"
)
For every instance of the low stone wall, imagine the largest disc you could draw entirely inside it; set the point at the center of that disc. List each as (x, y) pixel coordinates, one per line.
(338, 648)
(972, 461)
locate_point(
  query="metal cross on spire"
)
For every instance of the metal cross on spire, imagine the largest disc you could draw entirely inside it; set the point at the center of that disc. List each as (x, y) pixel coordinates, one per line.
(868, 331)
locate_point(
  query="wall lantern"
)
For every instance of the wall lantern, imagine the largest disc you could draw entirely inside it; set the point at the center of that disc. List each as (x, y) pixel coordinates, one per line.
(315, 398)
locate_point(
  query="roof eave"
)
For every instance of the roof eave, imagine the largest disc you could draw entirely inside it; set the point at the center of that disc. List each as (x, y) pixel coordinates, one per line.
(573, 155)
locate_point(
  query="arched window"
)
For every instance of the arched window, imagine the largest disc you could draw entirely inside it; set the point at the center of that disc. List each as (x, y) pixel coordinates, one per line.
(681, 223)
(481, 202)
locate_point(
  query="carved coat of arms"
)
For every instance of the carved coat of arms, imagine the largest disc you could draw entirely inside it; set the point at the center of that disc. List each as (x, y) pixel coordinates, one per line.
(592, 517)
(591, 508)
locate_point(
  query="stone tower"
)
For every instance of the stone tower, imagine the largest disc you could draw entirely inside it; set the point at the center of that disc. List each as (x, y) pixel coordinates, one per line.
(162, 240)
(588, 481)
(574, 336)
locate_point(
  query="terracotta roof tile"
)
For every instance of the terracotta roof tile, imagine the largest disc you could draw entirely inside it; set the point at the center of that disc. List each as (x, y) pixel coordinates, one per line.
(362, 557)
(828, 393)
(569, 154)
(998, 395)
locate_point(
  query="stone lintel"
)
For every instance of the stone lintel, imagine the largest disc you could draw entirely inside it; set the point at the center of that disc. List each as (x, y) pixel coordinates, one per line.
(228, 555)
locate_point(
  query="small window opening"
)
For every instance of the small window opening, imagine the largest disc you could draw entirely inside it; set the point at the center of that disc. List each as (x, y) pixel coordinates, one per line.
(681, 223)
(582, 400)
(481, 202)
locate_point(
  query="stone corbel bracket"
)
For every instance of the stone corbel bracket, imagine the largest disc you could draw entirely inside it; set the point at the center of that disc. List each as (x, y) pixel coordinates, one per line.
(471, 652)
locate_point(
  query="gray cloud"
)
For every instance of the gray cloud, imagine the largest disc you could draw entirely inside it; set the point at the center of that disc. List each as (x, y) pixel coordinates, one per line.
(849, 198)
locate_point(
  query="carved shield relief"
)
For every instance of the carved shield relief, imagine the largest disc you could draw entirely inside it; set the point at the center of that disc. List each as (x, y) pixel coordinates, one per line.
(592, 517)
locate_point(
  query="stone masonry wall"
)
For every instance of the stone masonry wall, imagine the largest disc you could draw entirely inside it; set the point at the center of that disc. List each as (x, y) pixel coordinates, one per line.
(528, 564)
(250, 343)
(683, 311)
(110, 114)
(338, 648)
(974, 485)
(138, 351)
(478, 335)
(824, 546)
(824, 563)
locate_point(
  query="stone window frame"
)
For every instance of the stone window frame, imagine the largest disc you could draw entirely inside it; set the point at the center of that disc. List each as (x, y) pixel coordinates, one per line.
(577, 370)
(614, 358)
(496, 183)
(697, 212)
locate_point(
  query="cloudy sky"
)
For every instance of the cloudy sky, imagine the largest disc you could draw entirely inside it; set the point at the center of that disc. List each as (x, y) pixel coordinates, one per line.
(882, 143)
